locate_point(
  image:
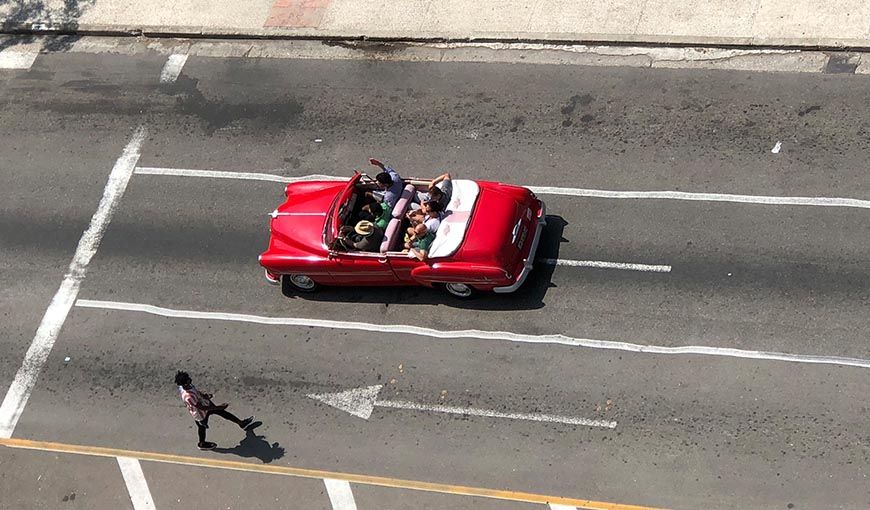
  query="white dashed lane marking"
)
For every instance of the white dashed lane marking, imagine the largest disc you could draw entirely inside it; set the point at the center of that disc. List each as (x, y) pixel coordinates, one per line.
(137, 486)
(49, 329)
(11, 59)
(172, 68)
(608, 265)
(340, 494)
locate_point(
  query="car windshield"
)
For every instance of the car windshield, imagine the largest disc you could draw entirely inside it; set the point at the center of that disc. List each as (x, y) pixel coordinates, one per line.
(341, 209)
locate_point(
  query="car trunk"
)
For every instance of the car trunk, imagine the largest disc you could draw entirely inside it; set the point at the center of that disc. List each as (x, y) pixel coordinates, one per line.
(490, 236)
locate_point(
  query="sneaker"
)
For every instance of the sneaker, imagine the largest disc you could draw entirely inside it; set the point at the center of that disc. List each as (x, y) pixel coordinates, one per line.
(247, 422)
(206, 446)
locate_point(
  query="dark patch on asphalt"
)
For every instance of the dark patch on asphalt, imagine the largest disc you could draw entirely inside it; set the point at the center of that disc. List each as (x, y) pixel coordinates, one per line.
(41, 74)
(573, 101)
(569, 108)
(809, 109)
(94, 87)
(516, 122)
(218, 113)
(841, 63)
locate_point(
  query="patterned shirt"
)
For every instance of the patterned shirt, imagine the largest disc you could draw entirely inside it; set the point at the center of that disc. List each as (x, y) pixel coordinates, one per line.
(191, 398)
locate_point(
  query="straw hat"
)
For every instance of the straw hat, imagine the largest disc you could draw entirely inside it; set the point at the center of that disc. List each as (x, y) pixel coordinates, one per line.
(364, 228)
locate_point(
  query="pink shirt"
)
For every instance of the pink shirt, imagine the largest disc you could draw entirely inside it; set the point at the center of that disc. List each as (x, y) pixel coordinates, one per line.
(191, 398)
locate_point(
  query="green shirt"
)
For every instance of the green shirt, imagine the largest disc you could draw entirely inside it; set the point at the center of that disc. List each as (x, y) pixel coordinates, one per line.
(386, 215)
(426, 242)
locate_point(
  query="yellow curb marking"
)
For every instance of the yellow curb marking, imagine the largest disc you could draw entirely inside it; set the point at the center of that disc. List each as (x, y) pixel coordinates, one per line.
(460, 490)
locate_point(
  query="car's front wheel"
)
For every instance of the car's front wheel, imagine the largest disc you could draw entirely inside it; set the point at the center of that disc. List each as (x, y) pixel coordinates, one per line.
(460, 290)
(291, 283)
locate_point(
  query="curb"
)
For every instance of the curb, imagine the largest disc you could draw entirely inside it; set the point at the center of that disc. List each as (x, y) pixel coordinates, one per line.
(200, 32)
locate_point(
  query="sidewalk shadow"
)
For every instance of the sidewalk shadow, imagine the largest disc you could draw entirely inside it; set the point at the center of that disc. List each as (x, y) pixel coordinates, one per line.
(63, 18)
(255, 446)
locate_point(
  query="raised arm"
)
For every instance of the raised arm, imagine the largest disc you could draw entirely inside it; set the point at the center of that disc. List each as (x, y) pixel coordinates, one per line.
(443, 177)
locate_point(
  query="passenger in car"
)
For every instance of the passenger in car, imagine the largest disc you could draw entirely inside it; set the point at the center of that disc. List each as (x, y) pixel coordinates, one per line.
(389, 183)
(429, 213)
(377, 213)
(365, 236)
(440, 190)
(420, 242)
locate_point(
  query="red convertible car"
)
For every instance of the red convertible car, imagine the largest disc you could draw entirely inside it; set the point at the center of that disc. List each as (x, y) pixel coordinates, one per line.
(486, 240)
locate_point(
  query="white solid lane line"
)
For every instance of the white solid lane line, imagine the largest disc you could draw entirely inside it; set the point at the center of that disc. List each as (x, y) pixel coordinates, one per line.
(340, 494)
(550, 190)
(556, 506)
(608, 265)
(137, 487)
(172, 68)
(58, 309)
(704, 197)
(17, 59)
(479, 334)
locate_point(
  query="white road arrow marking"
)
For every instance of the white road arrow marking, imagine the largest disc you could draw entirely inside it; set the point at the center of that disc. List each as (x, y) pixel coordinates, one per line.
(360, 402)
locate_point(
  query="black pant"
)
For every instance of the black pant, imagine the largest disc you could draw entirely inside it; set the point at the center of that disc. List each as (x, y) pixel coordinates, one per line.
(202, 425)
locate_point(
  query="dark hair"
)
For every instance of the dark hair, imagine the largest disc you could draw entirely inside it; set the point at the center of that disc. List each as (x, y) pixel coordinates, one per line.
(384, 178)
(182, 378)
(365, 215)
(435, 206)
(436, 191)
(376, 208)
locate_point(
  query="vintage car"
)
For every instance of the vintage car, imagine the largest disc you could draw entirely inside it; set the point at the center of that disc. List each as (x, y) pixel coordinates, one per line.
(486, 241)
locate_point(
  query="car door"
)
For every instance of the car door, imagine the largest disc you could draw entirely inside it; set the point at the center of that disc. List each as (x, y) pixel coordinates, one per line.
(361, 269)
(402, 266)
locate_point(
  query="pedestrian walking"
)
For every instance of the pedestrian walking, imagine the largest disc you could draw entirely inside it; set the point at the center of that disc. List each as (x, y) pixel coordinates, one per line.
(200, 406)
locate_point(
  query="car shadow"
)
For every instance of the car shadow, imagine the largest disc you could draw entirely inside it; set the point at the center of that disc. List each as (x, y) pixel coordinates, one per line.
(528, 297)
(255, 446)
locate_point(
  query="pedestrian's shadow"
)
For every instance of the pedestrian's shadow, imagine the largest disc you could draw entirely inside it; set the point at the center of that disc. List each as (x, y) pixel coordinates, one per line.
(255, 446)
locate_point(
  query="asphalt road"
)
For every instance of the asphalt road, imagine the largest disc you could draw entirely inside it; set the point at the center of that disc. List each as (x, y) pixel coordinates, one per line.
(693, 431)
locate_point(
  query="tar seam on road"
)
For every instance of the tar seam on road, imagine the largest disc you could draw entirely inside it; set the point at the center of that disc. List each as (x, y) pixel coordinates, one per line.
(479, 334)
(550, 190)
(379, 481)
(57, 311)
(140, 495)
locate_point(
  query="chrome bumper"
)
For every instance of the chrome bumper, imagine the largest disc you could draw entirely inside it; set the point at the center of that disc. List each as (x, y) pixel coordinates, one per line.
(530, 261)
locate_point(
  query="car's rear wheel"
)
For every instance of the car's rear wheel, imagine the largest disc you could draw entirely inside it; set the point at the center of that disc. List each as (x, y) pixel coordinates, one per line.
(298, 283)
(460, 290)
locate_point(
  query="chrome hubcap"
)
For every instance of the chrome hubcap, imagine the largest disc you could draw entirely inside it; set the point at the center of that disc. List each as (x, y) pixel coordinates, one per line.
(302, 281)
(459, 289)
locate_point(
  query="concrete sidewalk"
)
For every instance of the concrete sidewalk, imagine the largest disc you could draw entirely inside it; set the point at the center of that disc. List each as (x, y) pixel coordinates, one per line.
(769, 23)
